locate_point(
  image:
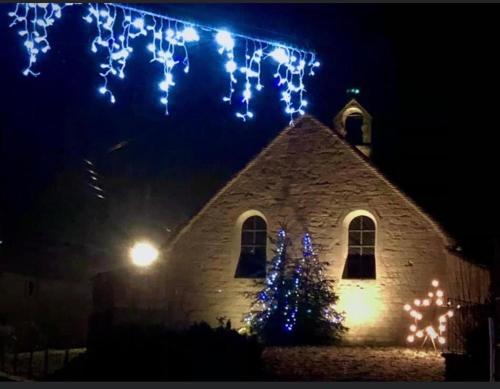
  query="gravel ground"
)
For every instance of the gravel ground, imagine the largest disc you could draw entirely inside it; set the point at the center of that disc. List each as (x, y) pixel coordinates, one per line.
(353, 364)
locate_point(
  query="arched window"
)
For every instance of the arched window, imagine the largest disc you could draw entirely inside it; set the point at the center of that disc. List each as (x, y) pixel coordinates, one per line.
(252, 262)
(361, 249)
(354, 128)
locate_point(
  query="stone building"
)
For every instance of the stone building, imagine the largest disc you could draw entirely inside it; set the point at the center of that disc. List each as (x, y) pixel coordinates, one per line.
(383, 249)
(56, 310)
(42, 304)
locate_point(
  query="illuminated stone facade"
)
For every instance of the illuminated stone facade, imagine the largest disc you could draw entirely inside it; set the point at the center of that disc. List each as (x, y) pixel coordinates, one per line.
(310, 178)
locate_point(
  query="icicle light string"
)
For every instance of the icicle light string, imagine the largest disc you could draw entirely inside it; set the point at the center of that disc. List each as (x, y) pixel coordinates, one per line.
(117, 25)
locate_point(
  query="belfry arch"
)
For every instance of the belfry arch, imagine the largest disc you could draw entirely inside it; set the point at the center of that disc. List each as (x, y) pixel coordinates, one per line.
(354, 124)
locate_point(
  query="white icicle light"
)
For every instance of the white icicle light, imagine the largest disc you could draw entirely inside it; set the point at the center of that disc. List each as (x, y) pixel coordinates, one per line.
(225, 41)
(34, 19)
(189, 34)
(279, 55)
(117, 25)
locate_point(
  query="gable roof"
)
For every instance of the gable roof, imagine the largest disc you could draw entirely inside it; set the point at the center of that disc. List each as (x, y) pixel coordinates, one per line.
(449, 242)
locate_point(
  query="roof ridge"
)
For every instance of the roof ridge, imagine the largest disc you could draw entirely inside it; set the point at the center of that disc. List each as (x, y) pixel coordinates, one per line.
(234, 178)
(437, 226)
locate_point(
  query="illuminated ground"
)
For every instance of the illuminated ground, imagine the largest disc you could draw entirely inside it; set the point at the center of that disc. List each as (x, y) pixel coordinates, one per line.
(353, 364)
(312, 364)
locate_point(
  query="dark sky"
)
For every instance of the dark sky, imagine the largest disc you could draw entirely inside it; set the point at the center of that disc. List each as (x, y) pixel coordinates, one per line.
(427, 73)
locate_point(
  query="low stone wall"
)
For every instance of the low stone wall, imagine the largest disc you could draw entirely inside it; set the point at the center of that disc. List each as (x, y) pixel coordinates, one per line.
(353, 364)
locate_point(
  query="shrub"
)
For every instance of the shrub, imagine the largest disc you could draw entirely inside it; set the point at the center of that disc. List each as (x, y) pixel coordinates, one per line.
(153, 353)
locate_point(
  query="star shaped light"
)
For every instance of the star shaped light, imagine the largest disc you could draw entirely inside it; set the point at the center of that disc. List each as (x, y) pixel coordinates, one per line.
(430, 317)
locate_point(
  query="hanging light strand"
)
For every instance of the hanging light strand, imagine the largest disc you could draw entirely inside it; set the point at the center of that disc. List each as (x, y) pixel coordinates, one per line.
(34, 19)
(117, 25)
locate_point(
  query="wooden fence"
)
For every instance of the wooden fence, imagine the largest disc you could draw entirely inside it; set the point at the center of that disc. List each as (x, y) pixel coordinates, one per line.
(468, 329)
(36, 364)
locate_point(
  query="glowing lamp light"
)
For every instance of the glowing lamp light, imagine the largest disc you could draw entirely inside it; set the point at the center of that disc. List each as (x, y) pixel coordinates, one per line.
(279, 55)
(435, 283)
(362, 307)
(143, 254)
(225, 40)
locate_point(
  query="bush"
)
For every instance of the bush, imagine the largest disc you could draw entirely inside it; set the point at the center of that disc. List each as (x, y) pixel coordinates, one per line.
(153, 353)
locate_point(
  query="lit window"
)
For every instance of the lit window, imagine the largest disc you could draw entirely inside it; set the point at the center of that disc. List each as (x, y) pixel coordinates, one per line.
(252, 262)
(361, 249)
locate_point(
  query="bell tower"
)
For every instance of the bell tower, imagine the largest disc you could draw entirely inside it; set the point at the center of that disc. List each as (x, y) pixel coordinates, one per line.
(354, 124)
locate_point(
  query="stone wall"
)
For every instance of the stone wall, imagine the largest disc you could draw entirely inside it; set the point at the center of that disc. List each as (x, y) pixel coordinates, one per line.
(59, 308)
(310, 179)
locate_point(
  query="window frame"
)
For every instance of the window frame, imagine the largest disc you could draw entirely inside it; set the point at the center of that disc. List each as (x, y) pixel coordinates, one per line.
(252, 248)
(365, 263)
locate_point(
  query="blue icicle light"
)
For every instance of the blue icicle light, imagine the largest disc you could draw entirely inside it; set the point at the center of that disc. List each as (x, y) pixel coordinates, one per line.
(168, 40)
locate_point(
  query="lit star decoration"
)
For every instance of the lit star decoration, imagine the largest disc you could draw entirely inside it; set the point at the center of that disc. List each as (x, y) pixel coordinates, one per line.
(424, 326)
(118, 25)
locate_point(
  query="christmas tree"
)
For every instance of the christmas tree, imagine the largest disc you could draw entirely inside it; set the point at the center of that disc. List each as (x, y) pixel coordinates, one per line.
(271, 304)
(314, 318)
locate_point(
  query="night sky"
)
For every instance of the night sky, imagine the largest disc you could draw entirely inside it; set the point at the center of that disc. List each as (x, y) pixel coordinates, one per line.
(427, 74)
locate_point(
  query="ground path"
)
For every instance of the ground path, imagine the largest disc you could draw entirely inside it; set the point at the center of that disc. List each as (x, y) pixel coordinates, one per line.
(353, 364)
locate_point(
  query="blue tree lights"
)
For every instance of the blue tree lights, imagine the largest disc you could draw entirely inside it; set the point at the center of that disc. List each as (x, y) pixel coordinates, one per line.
(168, 41)
(270, 300)
(297, 304)
(272, 305)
